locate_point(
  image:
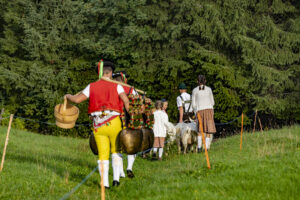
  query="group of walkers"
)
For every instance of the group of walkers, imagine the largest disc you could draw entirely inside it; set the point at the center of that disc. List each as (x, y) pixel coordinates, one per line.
(201, 101)
(106, 102)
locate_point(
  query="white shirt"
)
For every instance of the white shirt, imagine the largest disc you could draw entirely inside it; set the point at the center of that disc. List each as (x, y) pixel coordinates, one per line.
(161, 121)
(86, 92)
(186, 97)
(202, 99)
(134, 92)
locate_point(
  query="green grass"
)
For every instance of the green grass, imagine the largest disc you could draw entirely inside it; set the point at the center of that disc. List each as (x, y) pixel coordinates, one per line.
(47, 167)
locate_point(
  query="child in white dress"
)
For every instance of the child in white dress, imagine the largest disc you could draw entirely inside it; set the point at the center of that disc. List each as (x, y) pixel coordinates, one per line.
(161, 121)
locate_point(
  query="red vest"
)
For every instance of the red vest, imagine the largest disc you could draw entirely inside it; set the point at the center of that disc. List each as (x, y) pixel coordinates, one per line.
(127, 92)
(104, 96)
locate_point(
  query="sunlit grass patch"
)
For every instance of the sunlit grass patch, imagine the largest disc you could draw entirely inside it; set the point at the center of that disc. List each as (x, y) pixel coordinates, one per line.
(47, 167)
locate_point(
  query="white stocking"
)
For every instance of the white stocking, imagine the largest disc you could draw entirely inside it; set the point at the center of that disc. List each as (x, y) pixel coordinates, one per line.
(116, 163)
(211, 138)
(207, 140)
(160, 152)
(199, 141)
(105, 164)
(122, 174)
(130, 160)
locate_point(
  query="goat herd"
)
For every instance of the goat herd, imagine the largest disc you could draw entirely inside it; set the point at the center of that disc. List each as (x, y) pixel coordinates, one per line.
(185, 136)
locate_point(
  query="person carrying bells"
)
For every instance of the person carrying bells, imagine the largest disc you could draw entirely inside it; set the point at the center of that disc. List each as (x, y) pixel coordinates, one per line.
(122, 77)
(105, 99)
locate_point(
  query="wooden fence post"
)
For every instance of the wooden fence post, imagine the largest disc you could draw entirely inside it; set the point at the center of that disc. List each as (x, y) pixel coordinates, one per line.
(1, 114)
(6, 142)
(102, 181)
(254, 121)
(242, 126)
(261, 130)
(203, 139)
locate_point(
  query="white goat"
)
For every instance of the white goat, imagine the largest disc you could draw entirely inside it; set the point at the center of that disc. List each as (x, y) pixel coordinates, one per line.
(186, 136)
(171, 134)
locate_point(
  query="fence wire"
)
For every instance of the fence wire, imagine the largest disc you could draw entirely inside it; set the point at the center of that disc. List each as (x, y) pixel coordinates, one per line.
(67, 195)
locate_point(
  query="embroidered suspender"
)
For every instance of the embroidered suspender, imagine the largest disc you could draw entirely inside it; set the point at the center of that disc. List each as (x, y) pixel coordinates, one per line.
(186, 102)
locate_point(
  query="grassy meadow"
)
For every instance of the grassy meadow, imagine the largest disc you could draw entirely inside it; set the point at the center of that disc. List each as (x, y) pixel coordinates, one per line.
(47, 167)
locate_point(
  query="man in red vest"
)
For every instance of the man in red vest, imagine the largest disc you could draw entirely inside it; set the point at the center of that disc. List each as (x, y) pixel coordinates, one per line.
(122, 77)
(105, 100)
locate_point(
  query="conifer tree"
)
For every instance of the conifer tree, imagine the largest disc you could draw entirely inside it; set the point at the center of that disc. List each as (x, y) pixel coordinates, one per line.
(248, 50)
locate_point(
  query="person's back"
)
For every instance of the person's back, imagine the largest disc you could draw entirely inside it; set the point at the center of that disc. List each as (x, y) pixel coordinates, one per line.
(184, 104)
(160, 118)
(203, 104)
(104, 106)
(160, 131)
(103, 95)
(203, 99)
(184, 99)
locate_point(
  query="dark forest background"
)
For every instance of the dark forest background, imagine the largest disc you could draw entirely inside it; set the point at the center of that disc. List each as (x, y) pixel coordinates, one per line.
(248, 50)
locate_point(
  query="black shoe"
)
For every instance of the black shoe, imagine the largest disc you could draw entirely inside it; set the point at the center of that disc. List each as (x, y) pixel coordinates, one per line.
(154, 156)
(199, 150)
(116, 183)
(130, 174)
(107, 188)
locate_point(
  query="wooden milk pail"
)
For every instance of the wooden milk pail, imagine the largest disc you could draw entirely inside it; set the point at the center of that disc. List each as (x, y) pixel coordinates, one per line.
(66, 115)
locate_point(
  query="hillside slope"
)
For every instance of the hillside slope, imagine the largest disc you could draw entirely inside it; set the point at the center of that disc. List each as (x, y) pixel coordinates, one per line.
(47, 167)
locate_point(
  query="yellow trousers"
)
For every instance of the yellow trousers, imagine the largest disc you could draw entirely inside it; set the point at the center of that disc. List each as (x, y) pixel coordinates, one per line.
(106, 137)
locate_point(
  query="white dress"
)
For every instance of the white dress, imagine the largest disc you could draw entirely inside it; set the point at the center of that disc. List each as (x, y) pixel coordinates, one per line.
(161, 121)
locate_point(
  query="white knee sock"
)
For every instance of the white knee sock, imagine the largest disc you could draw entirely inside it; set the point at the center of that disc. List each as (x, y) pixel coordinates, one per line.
(155, 150)
(160, 152)
(207, 140)
(105, 164)
(130, 159)
(122, 174)
(210, 140)
(116, 163)
(199, 142)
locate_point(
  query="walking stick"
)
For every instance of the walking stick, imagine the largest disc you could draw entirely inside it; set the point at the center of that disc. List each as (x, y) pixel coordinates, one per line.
(242, 132)
(102, 182)
(121, 83)
(203, 139)
(6, 141)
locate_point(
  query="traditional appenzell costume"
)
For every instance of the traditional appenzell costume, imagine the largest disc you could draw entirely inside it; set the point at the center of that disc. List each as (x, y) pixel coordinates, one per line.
(105, 108)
